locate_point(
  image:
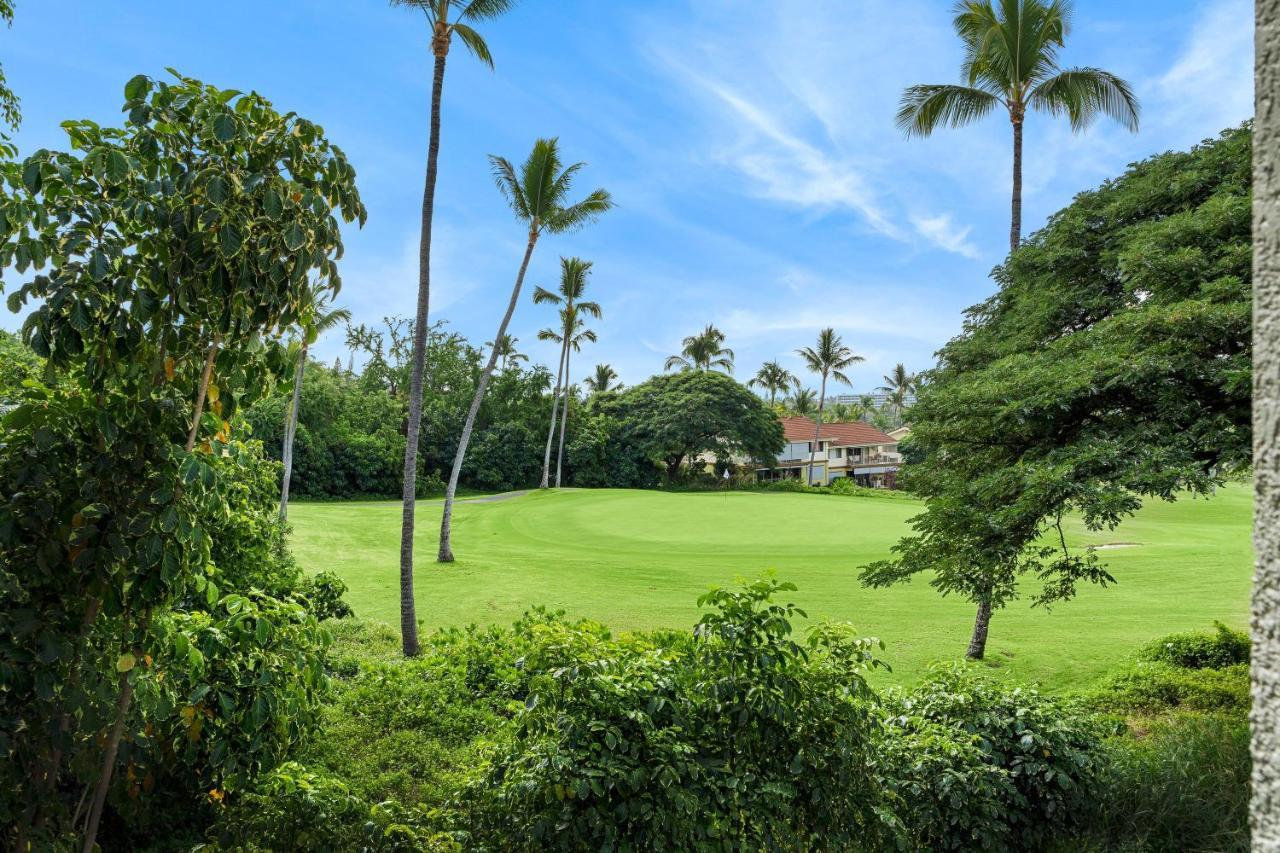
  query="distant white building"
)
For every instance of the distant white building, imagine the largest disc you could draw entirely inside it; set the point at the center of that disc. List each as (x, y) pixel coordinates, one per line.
(855, 450)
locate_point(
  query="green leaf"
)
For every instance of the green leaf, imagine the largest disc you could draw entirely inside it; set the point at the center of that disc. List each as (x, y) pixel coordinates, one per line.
(261, 631)
(99, 265)
(31, 177)
(137, 87)
(116, 167)
(229, 240)
(218, 189)
(272, 204)
(294, 237)
(79, 316)
(224, 127)
(126, 662)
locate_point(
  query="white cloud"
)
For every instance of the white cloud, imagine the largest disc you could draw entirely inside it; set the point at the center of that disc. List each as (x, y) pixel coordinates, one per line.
(942, 232)
(1210, 84)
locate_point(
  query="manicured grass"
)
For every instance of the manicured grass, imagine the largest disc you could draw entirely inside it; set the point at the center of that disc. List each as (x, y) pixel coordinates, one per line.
(635, 559)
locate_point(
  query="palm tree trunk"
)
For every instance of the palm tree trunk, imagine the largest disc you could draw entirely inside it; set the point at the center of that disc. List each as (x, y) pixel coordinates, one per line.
(409, 492)
(555, 409)
(1015, 226)
(564, 418)
(817, 428)
(978, 641)
(1265, 802)
(290, 429)
(445, 554)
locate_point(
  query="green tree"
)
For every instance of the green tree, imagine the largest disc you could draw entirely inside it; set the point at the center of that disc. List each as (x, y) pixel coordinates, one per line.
(538, 194)
(603, 380)
(703, 351)
(899, 385)
(677, 417)
(828, 358)
(1011, 60)
(803, 402)
(446, 18)
(775, 379)
(316, 318)
(1113, 363)
(573, 284)
(507, 351)
(176, 251)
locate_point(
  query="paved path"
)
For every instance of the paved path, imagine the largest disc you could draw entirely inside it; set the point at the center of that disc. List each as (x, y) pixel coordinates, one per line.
(487, 499)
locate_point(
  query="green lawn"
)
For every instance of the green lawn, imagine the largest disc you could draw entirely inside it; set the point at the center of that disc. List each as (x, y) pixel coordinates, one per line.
(635, 559)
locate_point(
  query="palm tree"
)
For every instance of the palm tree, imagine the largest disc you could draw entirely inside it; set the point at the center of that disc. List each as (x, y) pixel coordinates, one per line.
(446, 18)
(898, 386)
(507, 351)
(603, 380)
(573, 283)
(1011, 52)
(803, 402)
(703, 351)
(774, 378)
(829, 358)
(571, 337)
(537, 194)
(317, 318)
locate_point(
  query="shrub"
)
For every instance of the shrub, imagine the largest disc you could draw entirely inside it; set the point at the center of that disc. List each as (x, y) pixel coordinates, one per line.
(738, 737)
(1220, 648)
(323, 593)
(1152, 688)
(1047, 748)
(1182, 785)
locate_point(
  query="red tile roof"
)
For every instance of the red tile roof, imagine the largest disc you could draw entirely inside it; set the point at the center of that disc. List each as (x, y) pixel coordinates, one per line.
(840, 434)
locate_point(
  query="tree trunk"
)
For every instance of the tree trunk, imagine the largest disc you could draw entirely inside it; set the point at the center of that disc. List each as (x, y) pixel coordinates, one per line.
(817, 428)
(673, 468)
(409, 490)
(564, 418)
(290, 429)
(124, 698)
(978, 642)
(1265, 717)
(205, 378)
(1015, 226)
(445, 554)
(555, 409)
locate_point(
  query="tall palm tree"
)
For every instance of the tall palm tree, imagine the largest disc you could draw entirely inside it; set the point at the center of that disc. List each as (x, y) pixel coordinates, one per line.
(573, 283)
(1011, 53)
(898, 386)
(571, 336)
(775, 379)
(602, 380)
(829, 358)
(446, 18)
(703, 351)
(803, 402)
(538, 195)
(507, 351)
(317, 318)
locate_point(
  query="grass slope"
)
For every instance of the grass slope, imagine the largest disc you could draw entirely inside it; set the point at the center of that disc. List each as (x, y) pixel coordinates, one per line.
(635, 559)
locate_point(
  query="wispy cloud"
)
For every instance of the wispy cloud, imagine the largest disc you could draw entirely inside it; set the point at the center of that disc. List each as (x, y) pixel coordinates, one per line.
(1211, 80)
(941, 231)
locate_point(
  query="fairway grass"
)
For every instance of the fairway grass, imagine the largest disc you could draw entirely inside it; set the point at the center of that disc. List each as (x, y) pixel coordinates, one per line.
(640, 559)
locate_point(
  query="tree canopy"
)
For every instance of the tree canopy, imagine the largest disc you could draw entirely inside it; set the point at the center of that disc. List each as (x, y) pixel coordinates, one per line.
(1113, 363)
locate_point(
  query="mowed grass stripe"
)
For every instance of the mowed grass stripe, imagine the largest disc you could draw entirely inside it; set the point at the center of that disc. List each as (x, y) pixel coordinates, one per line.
(637, 559)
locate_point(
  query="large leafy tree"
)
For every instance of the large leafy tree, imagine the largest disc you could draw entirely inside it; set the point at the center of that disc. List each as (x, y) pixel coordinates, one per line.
(829, 358)
(775, 379)
(169, 257)
(1011, 61)
(1112, 364)
(317, 317)
(703, 351)
(446, 18)
(538, 193)
(574, 273)
(674, 418)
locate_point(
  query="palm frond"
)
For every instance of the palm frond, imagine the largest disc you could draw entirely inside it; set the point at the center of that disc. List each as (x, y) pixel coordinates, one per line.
(677, 361)
(326, 320)
(474, 42)
(508, 183)
(485, 10)
(579, 215)
(924, 108)
(1083, 93)
(542, 296)
(550, 335)
(591, 308)
(538, 175)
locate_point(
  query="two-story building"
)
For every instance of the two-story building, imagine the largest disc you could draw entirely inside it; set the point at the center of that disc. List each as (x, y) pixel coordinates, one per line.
(856, 450)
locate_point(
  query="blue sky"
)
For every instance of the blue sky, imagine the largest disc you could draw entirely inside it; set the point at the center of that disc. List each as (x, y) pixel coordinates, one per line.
(750, 146)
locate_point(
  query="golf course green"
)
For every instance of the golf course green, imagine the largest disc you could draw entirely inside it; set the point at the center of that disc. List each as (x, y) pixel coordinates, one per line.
(640, 559)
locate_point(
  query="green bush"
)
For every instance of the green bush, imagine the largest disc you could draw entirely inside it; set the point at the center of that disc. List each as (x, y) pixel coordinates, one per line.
(1151, 688)
(1220, 648)
(1047, 748)
(735, 738)
(323, 593)
(296, 809)
(1180, 785)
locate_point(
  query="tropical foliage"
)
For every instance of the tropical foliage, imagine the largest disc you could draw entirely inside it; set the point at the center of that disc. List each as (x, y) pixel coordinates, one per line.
(703, 351)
